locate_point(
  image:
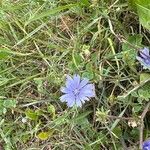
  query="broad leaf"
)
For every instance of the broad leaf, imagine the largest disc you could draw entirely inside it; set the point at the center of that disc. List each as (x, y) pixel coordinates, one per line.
(144, 15)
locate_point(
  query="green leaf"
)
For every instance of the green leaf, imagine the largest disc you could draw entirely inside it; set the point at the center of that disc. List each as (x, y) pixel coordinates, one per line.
(89, 75)
(39, 82)
(3, 81)
(85, 2)
(144, 91)
(6, 53)
(144, 77)
(1, 107)
(89, 67)
(144, 15)
(10, 103)
(132, 4)
(136, 108)
(135, 40)
(77, 60)
(45, 135)
(145, 3)
(117, 131)
(143, 9)
(31, 114)
(51, 12)
(129, 53)
(51, 110)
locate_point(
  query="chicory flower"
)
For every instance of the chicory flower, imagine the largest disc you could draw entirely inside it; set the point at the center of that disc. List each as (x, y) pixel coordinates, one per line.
(77, 91)
(144, 58)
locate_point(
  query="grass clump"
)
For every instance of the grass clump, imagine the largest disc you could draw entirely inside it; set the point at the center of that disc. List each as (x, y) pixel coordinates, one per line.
(41, 42)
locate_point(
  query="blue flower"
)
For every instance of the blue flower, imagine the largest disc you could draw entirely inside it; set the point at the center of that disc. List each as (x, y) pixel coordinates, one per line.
(77, 91)
(146, 145)
(144, 58)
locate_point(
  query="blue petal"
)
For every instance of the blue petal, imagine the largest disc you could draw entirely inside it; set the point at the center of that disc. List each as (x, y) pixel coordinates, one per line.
(76, 80)
(70, 103)
(146, 145)
(67, 98)
(147, 61)
(78, 101)
(88, 90)
(146, 148)
(83, 83)
(83, 97)
(140, 59)
(65, 90)
(144, 52)
(70, 83)
(144, 62)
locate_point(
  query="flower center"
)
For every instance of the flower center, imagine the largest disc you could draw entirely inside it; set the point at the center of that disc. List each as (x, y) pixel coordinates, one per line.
(76, 91)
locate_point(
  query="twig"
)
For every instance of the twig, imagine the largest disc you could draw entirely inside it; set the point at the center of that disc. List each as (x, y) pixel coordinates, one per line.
(142, 124)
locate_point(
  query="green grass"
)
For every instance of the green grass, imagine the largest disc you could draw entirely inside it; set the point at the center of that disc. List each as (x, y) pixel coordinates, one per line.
(42, 41)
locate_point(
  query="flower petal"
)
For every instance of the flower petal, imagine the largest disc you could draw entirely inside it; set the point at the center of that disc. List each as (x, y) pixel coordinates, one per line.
(83, 97)
(145, 52)
(144, 62)
(70, 103)
(140, 59)
(88, 90)
(78, 101)
(65, 90)
(67, 98)
(70, 83)
(147, 61)
(146, 145)
(83, 83)
(76, 80)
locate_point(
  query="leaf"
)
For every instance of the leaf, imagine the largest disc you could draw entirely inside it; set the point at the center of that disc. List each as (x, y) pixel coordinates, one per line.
(136, 108)
(5, 53)
(132, 4)
(143, 9)
(85, 2)
(77, 60)
(51, 12)
(129, 54)
(135, 40)
(89, 67)
(10, 103)
(144, 77)
(144, 15)
(89, 75)
(3, 81)
(39, 82)
(117, 131)
(145, 3)
(51, 110)
(144, 91)
(45, 135)
(80, 117)
(31, 114)
(1, 107)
